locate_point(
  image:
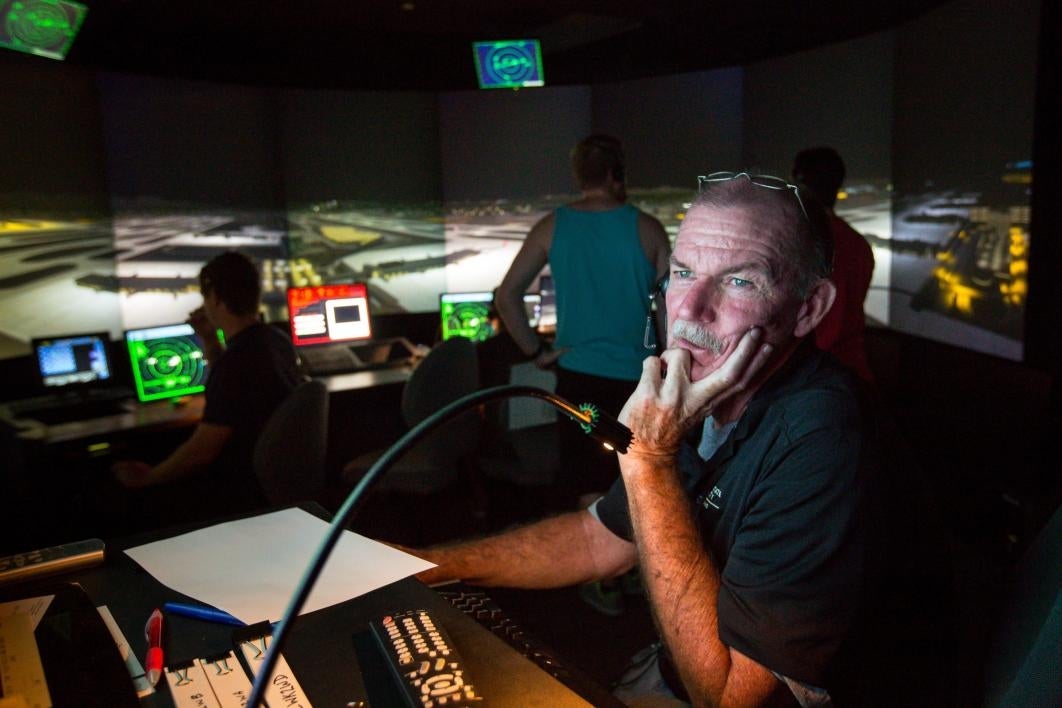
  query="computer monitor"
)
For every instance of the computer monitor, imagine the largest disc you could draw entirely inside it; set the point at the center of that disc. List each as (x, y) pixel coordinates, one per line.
(76, 360)
(512, 63)
(167, 361)
(329, 314)
(548, 314)
(466, 315)
(533, 308)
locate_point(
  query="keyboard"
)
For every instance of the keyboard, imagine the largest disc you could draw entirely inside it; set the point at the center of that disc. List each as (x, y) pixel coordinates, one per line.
(56, 411)
(481, 608)
(85, 410)
(328, 360)
(346, 359)
(477, 605)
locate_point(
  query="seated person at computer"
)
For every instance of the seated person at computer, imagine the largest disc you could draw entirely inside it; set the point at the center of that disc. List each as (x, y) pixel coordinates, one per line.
(740, 497)
(249, 377)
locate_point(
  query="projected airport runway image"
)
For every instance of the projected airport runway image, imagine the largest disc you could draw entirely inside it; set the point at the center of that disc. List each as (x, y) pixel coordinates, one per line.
(944, 256)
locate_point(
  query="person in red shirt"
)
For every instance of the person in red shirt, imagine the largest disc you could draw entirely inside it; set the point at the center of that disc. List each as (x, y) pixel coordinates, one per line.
(840, 333)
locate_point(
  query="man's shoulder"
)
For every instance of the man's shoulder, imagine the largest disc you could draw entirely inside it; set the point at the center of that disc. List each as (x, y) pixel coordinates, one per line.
(815, 391)
(846, 237)
(649, 224)
(838, 224)
(808, 371)
(261, 333)
(277, 336)
(261, 342)
(542, 230)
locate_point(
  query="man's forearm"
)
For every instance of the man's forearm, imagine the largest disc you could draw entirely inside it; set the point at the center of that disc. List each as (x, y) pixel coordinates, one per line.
(196, 453)
(560, 551)
(680, 576)
(183, 462)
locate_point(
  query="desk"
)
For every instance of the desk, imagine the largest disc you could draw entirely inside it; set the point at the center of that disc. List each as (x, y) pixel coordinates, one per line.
(57, 472)
(370, 378)
(321, 648)
(185, 412)
(158, 415)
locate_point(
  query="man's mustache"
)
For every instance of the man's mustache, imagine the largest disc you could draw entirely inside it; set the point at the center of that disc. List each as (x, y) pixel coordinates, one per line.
(696, 334)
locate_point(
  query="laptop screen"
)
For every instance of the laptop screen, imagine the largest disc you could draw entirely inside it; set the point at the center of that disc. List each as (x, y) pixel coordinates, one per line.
(167, 361)
(533, 308)
(466, 315)
(74, 360)
(548, 313)
(327, 314)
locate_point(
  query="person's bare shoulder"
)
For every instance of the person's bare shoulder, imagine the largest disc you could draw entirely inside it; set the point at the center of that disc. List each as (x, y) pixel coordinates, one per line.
(541, 233)
(654, 238)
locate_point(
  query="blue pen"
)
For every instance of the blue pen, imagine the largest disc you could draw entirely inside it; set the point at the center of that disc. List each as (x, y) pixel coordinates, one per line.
(208, 614)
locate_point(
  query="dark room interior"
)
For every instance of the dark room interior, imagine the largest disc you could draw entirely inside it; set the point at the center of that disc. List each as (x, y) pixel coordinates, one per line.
(338, 143)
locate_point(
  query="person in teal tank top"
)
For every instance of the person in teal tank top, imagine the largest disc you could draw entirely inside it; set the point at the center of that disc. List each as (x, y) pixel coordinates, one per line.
(602, 279)
(605, 256)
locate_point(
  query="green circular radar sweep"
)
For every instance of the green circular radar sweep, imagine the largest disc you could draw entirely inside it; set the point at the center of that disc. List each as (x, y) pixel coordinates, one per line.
(511, 63)
(172, 362)
(37, 24)
(470, 320)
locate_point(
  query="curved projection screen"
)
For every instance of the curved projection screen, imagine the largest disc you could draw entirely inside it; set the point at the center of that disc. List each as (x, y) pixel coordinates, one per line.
(420, 194)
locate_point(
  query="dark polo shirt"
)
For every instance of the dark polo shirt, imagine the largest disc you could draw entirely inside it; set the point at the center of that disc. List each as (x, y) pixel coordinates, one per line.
(779, 506)
(257, 370)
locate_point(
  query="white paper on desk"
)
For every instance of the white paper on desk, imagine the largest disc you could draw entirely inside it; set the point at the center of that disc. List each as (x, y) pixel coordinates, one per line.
(251, 567)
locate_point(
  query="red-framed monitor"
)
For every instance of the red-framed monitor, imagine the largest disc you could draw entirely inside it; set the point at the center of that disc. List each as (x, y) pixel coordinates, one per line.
(329, 314)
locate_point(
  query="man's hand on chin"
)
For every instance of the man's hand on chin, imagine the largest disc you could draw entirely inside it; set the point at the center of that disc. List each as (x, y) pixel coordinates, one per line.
(666, 403)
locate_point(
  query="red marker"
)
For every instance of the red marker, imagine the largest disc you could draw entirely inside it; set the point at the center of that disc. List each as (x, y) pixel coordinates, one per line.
(153, 634)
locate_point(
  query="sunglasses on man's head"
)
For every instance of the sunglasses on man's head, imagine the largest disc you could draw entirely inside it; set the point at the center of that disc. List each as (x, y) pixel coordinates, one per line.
(765, 181)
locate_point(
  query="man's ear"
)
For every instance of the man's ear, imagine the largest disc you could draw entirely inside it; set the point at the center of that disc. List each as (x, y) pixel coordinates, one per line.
(815, 306)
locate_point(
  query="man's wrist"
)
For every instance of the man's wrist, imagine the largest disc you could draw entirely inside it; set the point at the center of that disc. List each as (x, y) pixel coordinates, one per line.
(543, 347)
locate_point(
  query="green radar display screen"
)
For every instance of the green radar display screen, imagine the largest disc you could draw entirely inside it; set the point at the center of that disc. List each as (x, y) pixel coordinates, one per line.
(466, 315)
(43, 27)
(513, 63)
(167, 362)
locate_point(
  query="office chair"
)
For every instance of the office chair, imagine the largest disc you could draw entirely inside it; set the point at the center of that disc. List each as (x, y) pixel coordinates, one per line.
(1023, 667)
(447, 373)
(289, 458)
(522, 446)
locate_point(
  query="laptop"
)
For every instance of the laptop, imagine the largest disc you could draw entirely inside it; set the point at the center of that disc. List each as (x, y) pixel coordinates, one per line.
(167, 361)
(468, 314)
(76, 380)
(331, 328)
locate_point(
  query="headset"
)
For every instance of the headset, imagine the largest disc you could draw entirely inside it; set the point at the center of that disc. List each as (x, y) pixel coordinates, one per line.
(660, 288)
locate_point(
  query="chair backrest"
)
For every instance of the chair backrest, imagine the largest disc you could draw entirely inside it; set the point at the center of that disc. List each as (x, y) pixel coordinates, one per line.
(289, 458)
(448, 372)
(1024, 659)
